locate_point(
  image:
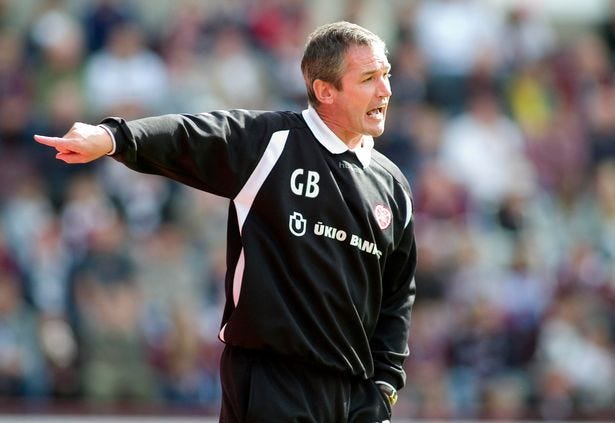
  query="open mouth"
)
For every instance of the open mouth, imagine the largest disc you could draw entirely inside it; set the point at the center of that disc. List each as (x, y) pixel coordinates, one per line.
(376, 112)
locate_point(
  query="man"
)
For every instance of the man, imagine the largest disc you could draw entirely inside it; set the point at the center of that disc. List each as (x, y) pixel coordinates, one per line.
(321, 253)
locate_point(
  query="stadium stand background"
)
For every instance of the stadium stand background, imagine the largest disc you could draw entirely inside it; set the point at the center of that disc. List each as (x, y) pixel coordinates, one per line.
(503, 119)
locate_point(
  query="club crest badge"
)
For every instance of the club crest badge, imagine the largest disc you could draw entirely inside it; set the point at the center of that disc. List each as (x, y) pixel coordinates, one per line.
(383, 216)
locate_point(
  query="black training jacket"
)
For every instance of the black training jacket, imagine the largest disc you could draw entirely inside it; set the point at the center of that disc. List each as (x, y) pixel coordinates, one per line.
(321, 253)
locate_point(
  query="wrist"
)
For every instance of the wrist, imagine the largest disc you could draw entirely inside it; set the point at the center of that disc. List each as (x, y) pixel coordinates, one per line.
(112, 147)
(389, 391)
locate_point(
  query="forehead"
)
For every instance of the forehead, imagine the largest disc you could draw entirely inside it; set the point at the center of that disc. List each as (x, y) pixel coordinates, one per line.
(361, 59)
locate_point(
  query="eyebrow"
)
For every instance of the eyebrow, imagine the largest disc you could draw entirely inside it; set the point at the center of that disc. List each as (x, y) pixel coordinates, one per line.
(387, 69)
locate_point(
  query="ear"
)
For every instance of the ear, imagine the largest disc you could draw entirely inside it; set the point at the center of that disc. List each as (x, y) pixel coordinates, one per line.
(324, 91)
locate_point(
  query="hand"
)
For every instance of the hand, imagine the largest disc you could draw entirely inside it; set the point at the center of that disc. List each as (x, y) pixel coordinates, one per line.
(83, 143)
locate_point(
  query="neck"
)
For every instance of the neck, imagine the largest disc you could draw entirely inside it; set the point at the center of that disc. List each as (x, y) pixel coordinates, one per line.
(351, 139)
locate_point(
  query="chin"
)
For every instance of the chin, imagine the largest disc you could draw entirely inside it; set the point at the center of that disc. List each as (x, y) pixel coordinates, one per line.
(376, 132)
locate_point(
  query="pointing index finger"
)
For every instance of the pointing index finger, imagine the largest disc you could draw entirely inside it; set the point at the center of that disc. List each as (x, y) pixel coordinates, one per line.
(50, 141)
(56, 142)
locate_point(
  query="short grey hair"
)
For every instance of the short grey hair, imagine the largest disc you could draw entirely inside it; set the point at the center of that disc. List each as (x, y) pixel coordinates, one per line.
(325, 53)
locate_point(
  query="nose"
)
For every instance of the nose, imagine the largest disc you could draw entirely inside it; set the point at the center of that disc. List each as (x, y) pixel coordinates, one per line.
(384, 88)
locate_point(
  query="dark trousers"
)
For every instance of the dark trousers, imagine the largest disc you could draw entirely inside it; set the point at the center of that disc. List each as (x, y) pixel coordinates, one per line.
(262, 388)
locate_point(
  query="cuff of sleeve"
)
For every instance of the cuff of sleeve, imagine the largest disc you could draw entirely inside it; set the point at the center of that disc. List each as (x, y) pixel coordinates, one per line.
(387, 384)
(108, 130)
(393, 380)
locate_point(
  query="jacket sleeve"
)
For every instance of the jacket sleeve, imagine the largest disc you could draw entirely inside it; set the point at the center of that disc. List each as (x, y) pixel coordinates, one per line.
(389, 343)
(213, 152)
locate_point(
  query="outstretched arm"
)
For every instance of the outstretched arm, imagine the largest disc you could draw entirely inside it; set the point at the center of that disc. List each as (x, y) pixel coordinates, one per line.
(214, 152)
(83, 143)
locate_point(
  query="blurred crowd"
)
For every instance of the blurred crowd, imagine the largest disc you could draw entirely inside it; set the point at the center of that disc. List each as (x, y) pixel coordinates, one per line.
(111, 282)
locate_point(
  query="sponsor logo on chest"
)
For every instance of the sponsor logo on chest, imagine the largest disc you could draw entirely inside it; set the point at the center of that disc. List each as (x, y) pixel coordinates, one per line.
(304, 183)
(297, 224)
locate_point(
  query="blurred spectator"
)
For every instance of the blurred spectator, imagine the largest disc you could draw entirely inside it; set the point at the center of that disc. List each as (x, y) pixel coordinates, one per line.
(413, 139)
(101, 18)
(576, 350)
(505, 398)
(529, 36)
(60, 349)
(4, 13)
(87, 210)
(125, 78)
(604, 181)
(557, 145)
(398, 142)
(22, 367)
(15, 115)
(272, 22)
(285, 68)
(48, 269)
(477, 354)
(186, 364)
(414, 126)
(441, 198)
(187, 38)
(601, 115)
(144, 201)
(454, 35)
(529, 95)
(523, 295)
(15, 88)
(557, 222)
(170, 277)
(589, 65)
(24, 217)
(114, 357)
(606, 29)
(235, 74)
(408, 81)
(484, 151)
(59, 53)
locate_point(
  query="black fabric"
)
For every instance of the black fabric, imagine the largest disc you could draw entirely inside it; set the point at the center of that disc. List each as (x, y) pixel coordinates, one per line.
(267, 388)
(321, 252)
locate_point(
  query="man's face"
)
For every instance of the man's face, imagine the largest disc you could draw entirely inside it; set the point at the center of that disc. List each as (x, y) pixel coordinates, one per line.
(359, 107)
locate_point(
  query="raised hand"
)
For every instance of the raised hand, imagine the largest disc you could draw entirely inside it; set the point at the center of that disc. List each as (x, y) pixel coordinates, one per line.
(83, 143)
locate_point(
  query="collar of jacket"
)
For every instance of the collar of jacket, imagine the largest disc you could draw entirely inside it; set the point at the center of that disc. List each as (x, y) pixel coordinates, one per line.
(332, 142)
